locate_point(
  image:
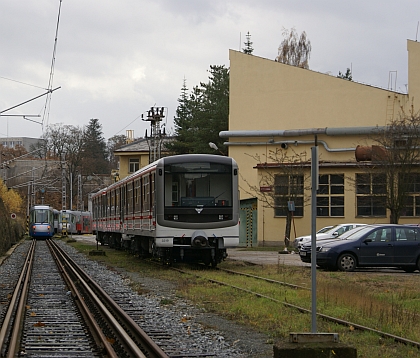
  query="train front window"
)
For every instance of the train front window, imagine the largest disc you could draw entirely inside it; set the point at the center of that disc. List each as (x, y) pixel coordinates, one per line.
(198, 184)
(41, 216)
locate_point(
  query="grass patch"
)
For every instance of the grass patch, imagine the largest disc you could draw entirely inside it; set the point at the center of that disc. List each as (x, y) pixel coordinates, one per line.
(388, 302)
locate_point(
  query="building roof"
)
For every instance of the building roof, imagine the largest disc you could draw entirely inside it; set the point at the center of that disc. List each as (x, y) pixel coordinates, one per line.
(140, 145)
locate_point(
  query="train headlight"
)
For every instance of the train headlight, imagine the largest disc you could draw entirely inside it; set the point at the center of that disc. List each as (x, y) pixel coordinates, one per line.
(33, 227)
(175, 217)
(221, 217)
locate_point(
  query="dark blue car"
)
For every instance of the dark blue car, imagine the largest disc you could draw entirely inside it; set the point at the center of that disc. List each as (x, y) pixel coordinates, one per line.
(373, 246)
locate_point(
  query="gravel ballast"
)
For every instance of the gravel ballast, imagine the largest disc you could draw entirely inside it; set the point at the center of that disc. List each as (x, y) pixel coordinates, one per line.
(200, 333)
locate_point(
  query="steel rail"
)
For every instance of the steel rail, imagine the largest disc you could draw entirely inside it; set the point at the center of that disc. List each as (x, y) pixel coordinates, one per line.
(113, 312)
(305, 310)
(14, 316)
(263, 278)
(96, 331)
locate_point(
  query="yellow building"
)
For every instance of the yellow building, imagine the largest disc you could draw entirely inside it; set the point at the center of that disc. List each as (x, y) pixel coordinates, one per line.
(278, 107)
(138, 154)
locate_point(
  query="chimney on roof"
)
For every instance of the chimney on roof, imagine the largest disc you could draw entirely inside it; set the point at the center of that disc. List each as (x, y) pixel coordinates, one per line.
(129, 133)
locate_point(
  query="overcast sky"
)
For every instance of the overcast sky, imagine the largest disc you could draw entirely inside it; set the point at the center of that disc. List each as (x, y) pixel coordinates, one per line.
(116, 59)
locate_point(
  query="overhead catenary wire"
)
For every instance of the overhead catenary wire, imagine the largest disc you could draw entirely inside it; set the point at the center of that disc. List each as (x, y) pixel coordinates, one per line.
(46, 112)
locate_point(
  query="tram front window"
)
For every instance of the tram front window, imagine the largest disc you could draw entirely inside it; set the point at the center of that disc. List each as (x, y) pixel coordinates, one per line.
(40, 216)
(198, 184)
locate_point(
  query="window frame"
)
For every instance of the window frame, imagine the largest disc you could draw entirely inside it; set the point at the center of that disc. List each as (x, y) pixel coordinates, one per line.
(283, 194)
(370, 191)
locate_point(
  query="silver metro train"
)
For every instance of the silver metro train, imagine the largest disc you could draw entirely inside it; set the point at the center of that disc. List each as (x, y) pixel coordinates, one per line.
(178, 208)
(74, 222)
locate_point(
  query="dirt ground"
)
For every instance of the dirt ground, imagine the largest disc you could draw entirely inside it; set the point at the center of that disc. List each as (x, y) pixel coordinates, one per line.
(241, 254)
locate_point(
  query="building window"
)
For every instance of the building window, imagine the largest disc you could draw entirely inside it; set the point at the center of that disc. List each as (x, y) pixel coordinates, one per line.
(330, 198)
(412, 206)
(288, 188)
(133, 165)
(370, 194)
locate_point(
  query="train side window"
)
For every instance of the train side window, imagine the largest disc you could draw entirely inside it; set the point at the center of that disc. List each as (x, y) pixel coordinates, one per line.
(152, 190)
(146, 193)
(175, 192)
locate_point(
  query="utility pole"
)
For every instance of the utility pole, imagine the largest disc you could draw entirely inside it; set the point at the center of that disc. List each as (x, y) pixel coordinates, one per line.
(155, 116)
(63, 189)
(79, 193)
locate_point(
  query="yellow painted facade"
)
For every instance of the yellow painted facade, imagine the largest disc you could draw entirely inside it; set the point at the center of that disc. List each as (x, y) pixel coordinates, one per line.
(274, 106)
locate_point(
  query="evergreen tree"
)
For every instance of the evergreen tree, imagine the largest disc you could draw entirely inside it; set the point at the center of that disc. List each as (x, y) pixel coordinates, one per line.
(94, 149)
(346, 76)
(201, 115)
(214, 116)
(183, 123)
(248, 45)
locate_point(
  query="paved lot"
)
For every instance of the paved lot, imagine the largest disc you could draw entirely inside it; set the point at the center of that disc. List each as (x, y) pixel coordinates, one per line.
(265, 257)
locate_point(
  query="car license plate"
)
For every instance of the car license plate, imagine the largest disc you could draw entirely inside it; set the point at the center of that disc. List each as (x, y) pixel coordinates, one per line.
(302, 253)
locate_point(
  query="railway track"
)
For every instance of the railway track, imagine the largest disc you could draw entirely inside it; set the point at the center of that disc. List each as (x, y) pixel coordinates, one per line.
(290, 305)
(57, 309)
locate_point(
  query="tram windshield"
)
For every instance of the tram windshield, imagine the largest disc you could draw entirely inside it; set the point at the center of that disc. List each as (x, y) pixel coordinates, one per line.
(41, 216)
(198, 184)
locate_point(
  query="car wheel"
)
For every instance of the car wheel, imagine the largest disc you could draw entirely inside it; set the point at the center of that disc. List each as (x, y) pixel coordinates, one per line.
(418, 264)
(346, 262)
(409, 269)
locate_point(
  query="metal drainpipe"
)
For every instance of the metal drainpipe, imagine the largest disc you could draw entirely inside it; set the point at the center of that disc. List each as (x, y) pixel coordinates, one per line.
(340, 131)
(303, 132)
(286, 143)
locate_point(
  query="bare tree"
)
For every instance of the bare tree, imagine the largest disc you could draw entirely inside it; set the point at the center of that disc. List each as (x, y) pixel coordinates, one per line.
(394, 163)
(63, 143)
(282, 184)
(294, 50)
(114, 143)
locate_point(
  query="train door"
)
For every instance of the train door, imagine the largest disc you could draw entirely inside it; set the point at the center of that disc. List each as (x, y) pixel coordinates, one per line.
(122, 205)
(248, 223)
(146, 203)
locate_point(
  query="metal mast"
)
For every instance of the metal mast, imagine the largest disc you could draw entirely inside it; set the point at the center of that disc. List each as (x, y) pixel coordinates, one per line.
(155, 116)
(79, 193)
(63, 189)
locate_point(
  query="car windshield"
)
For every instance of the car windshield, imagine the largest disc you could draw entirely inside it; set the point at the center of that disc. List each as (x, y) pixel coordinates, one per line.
(348, 234)
(331, 229)
(355, 234)
(324, 229)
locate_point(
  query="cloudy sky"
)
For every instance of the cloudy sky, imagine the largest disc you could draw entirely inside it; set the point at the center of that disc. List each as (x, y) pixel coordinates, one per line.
(116, 59)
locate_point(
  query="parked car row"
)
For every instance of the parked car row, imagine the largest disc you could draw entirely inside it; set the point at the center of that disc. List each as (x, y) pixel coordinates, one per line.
(326, 233)
(382, 245)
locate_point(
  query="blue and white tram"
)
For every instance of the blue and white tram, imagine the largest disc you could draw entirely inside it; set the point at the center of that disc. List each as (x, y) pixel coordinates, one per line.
(179, 208)
(41, 221)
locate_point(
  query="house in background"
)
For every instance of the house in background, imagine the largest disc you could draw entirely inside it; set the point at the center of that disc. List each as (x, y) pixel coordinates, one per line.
(138, 154)
(26, 142)
(277, 107)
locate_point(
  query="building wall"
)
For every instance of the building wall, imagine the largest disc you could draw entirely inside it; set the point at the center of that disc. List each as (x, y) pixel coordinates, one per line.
(124, 160)
(272, 103)
(25, 142)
